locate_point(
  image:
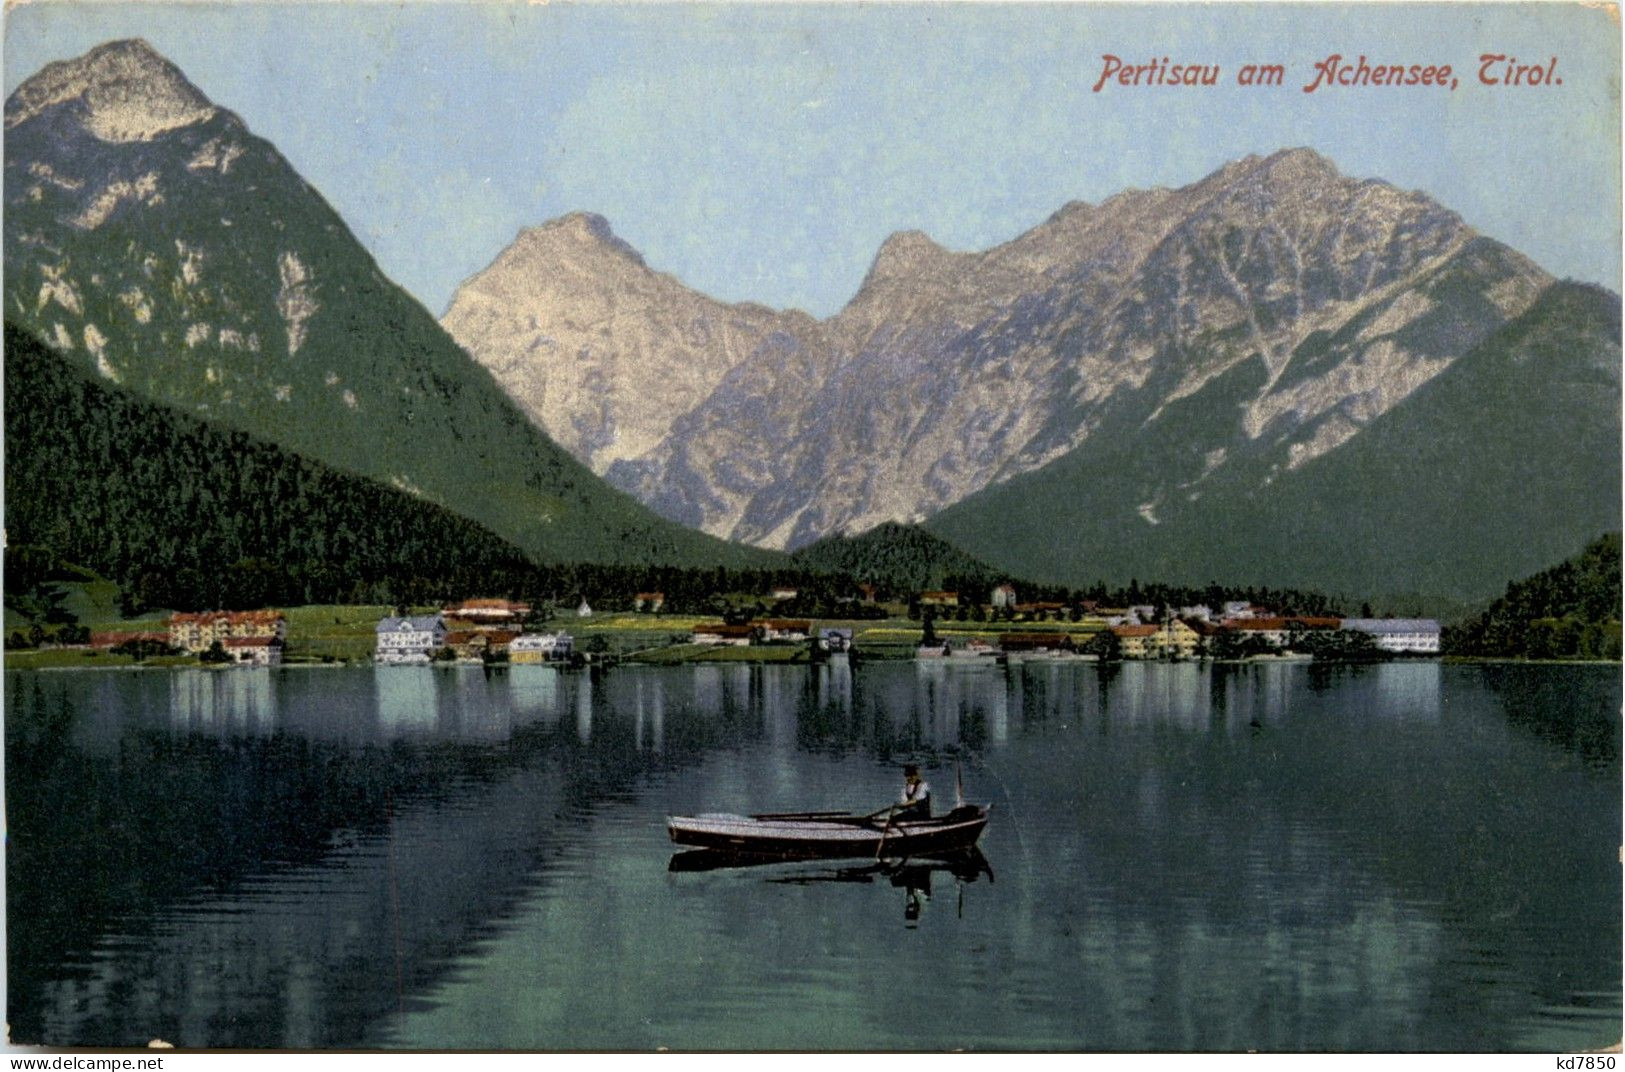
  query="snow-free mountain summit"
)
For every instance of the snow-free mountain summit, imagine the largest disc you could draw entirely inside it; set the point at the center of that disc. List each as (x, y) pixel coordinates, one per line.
(1277, 374)
(1213, 340)
(152, 237)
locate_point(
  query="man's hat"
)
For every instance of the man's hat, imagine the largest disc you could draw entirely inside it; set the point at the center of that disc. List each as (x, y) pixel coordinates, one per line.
(910, 769)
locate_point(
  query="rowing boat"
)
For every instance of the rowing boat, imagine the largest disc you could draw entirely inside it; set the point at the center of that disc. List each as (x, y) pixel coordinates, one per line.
(830, 835)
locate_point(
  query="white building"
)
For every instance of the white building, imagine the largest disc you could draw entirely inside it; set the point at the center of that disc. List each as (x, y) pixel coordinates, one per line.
(541, 648)
(410, 640)
(1411, 636)
(585, 610)
(796, 629)
(1004, 596)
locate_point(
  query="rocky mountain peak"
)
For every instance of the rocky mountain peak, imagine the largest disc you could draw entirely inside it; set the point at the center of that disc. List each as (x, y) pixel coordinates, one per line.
(126, 90)
(576, 234)
(1300, 159)
(602, 350)
(908, 255)
(1293, 169)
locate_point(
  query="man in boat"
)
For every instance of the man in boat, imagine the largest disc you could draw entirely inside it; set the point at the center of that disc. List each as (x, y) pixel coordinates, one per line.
(915, 802)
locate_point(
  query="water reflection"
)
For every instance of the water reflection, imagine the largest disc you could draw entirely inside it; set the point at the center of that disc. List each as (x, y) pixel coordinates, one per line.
(533, 691)
(408, 700)
(1577, 711)
(650, 712)
(912, 877)
(966, 865)
(237, 701)
(584, 691)
(1190, 857)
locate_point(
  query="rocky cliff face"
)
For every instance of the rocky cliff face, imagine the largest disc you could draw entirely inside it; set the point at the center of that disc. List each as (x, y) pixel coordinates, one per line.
(1314, 302)
(152, 237)
(599, 349)
(1493, 466)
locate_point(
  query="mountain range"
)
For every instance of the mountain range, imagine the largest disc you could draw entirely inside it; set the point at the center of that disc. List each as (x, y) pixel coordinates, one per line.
(1507, 459)
(1167, 360)
(1275, 375)
(150, 236)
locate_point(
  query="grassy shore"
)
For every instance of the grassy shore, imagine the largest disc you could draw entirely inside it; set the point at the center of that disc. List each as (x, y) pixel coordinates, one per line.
(79, 658)
(710, 653)
(338, 633)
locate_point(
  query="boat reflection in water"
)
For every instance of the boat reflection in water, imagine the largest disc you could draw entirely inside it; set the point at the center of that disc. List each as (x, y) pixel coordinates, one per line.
(912, 876)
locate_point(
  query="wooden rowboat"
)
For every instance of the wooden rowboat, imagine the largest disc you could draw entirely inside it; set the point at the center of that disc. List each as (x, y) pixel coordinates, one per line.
(830, 835)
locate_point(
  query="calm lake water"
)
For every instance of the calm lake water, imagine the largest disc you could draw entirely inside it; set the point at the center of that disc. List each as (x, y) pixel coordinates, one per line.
(1407, 856)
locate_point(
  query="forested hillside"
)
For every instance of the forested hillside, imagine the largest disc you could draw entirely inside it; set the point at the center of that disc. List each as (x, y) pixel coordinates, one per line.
(899, 559)
(184, 514)
(1501, 464)
(1569, 611)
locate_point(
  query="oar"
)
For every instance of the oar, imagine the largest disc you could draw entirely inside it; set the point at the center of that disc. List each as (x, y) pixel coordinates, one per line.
(803, 815)
(889, 813)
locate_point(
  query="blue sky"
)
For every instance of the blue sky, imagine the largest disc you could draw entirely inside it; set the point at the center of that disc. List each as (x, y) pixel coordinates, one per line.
(763, 152)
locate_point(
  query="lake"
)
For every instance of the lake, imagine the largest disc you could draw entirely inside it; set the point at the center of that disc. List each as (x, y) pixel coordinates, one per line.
(1408, 856)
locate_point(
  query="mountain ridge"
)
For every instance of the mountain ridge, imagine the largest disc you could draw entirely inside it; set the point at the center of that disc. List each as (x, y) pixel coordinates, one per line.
(950, 371)
(193, 265)
(1520, 435)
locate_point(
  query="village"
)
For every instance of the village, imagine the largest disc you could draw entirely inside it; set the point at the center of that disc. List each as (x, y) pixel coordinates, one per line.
(930, 625)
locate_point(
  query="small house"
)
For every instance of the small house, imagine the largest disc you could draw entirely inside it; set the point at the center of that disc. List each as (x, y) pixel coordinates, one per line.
(784, 629)
(1036, 642)
(470, 644)
(254, 650)
(835, 639)
(541, 648)
(738, 636)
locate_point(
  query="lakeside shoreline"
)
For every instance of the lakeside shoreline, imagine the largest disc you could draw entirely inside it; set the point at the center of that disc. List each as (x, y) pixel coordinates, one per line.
(737, 657)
